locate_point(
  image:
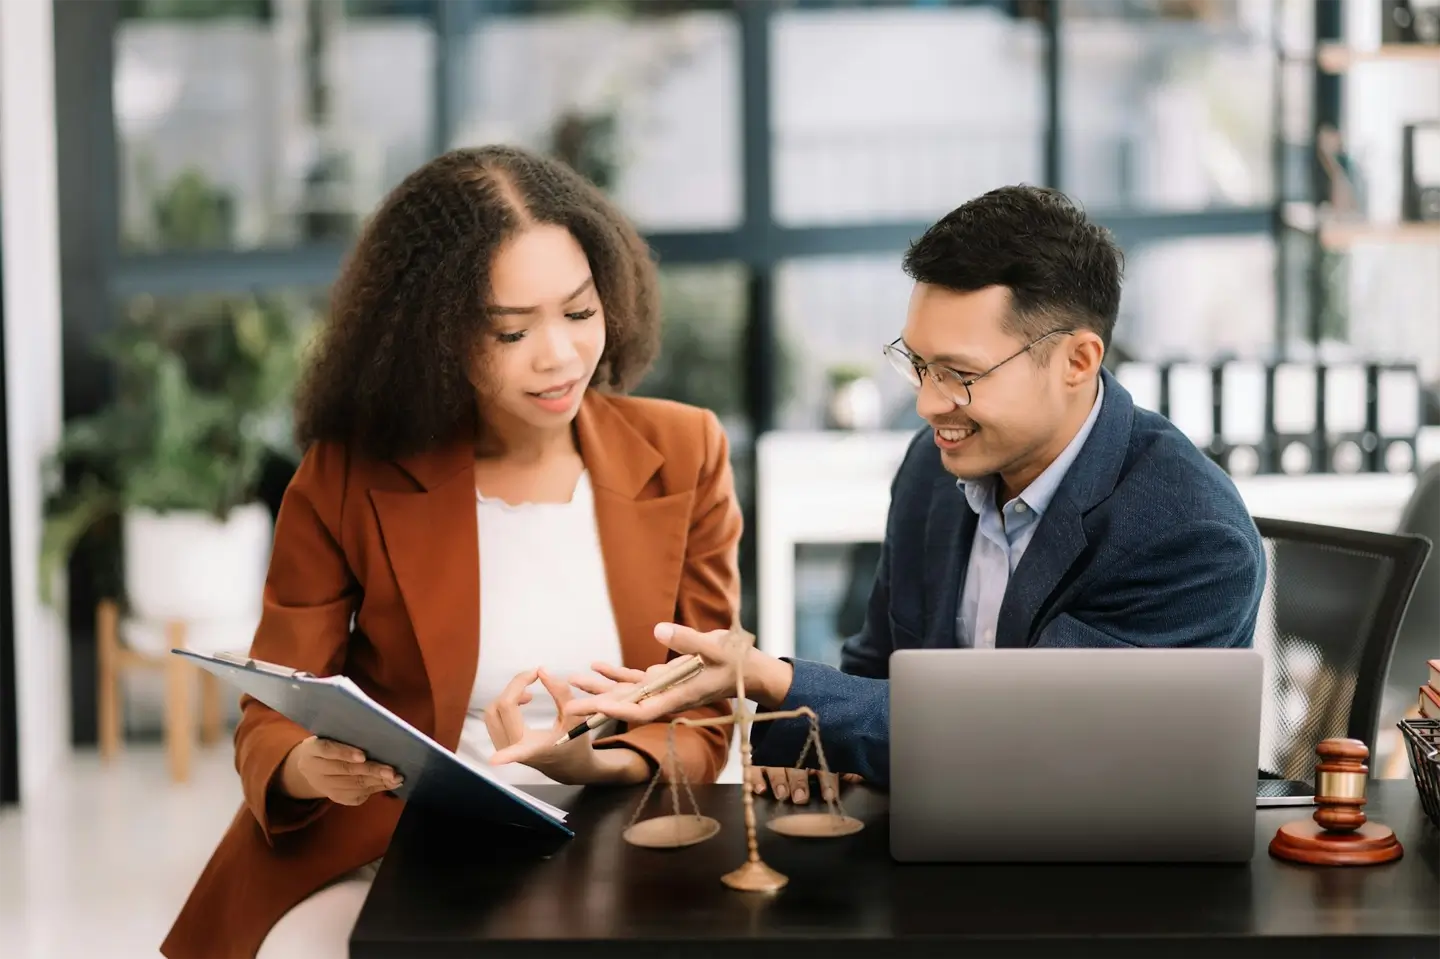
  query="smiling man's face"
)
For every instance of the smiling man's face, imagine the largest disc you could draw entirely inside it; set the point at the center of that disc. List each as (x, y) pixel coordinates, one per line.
(1016, 412)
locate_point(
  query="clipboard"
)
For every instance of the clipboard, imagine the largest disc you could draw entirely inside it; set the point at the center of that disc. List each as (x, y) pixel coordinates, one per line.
(334, 707)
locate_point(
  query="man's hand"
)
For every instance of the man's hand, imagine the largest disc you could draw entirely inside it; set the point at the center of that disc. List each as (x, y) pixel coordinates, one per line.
(324, 769)
(767, 679)
(787, 782)
(575, 763)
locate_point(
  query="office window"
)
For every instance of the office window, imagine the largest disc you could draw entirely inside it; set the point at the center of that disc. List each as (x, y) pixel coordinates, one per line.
(705, 311)
(647, 106)
(1297, 132)
(832, 588)
(1295, 126)
(1296, 249)
(902, 113)
(1168, 106)
(246, 124)
(701, 357)
(1198, 297)
(834, 314)
(194, 9)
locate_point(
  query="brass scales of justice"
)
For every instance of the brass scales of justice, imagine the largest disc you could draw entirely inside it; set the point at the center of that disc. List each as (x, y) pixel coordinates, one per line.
(681, 829)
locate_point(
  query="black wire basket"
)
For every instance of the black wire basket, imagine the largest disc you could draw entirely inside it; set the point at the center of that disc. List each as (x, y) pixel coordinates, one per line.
(1422, 741)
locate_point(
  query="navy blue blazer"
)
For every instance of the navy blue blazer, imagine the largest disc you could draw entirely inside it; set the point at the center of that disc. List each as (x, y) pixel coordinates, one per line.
(1146, 543)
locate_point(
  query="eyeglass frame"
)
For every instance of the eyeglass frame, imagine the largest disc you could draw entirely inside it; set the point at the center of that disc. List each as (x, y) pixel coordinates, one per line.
(897, 348)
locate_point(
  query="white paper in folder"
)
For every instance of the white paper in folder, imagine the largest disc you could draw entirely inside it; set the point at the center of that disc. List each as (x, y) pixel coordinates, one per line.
(1397, 403)
(1242, 402)
(1346, 399)
(1192, 402)
(1425, 154)
(1142, 382)
(1295, 396)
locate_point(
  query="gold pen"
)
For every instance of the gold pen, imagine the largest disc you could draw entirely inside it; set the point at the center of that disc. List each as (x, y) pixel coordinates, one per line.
(679, 670)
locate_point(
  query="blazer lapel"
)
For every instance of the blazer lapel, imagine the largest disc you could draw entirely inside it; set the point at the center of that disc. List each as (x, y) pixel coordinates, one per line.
(949, 533)
(1060, 535)
(643, 534)
(1058, 540)
(432, 539)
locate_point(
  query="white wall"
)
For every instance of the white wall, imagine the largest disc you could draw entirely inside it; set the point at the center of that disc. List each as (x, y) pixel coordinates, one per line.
(29, 220)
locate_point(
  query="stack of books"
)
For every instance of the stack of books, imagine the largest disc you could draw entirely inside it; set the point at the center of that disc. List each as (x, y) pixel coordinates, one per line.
(1430, 693)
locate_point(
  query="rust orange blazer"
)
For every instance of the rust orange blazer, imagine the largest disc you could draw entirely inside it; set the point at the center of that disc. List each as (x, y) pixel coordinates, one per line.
(395, 546)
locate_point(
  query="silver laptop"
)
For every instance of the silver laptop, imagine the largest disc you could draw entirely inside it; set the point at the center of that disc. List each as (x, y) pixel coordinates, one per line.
(1074, 755)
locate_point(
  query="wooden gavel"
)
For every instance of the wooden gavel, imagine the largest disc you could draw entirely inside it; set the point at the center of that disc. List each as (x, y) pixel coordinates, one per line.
(1338, 834)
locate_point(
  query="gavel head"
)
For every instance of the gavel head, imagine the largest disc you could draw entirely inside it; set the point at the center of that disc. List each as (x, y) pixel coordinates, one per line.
(1340, 784)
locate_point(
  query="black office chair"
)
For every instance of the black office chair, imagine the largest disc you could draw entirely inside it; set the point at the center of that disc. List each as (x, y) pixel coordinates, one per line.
(1332, 609)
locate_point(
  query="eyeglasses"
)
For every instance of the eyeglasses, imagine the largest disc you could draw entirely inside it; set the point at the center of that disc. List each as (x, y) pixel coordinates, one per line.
(952, 384)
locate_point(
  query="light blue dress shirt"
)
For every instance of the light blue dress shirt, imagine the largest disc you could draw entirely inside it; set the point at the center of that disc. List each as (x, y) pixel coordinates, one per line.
(1002, 535)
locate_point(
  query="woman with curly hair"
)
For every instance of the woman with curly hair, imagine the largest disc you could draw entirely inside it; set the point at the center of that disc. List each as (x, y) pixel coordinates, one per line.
(479, 512)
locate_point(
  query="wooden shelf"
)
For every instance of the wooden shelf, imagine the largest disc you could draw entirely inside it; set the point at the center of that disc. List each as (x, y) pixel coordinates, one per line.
(1342, 235)
(1336, 58)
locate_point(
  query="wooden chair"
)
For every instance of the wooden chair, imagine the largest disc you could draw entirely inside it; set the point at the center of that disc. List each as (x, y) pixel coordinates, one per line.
(115, 658)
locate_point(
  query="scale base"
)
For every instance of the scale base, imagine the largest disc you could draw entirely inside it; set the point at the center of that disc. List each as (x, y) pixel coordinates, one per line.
(755, 877)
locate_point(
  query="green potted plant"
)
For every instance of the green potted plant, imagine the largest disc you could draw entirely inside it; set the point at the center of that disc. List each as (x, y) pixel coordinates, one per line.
(174, 461)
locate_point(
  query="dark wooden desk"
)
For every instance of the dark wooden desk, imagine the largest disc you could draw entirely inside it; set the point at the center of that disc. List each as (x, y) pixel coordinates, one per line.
(450, 890)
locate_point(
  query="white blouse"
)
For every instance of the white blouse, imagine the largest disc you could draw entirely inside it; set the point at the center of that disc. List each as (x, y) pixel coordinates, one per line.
(544, 601)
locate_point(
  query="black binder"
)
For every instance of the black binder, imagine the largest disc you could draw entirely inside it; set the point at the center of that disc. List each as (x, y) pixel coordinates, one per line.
(333, 707)
(1409, 21)
(1420, 184)
(1396, 391)
(1242, 442)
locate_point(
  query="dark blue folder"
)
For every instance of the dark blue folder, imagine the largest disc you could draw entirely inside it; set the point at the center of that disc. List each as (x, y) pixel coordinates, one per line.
(333, 707)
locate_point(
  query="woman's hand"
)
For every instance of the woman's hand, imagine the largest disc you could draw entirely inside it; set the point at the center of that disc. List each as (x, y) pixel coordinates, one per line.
(324, 769)
(611, 683)
(576, 762)
(767, 679)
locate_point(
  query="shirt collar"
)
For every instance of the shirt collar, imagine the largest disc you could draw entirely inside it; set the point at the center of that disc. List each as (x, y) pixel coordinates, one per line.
(980, 493)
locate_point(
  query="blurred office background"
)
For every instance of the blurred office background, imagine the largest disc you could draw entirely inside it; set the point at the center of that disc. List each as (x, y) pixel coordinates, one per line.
(180, 170)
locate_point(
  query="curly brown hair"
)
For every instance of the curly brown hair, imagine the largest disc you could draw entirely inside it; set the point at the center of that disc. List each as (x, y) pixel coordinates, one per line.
(392, 369)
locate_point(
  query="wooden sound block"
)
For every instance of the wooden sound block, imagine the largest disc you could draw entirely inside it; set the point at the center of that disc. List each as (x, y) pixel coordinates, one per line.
(1307, 841)
(671, 832)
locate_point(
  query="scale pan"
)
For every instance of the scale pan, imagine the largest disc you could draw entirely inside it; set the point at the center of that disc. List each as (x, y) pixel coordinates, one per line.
(671, 832)
(816, 825)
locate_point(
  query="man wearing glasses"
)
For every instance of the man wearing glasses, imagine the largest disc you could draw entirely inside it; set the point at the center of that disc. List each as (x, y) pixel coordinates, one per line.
(1039, 507)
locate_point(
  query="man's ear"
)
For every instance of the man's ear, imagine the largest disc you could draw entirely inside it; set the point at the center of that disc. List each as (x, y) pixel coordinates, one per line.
(1084, 357)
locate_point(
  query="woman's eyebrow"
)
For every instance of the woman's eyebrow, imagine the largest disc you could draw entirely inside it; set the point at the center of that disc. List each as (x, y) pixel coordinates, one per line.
(523, 310)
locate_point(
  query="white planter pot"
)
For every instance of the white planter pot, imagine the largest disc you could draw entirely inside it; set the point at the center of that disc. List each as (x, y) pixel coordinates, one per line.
(189, 566)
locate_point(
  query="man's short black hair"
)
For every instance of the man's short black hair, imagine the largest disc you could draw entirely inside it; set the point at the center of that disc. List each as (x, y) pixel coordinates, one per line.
(1062, 270)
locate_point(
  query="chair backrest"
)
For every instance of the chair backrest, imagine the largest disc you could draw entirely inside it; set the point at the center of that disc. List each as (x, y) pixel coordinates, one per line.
(1419, 637)
(1333, 604)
